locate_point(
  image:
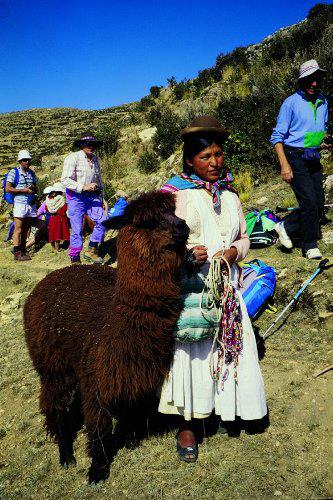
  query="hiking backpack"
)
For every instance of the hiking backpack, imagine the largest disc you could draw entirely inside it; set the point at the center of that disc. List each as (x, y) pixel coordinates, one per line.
(259, 282)
(260, 228)
(8, 197)
(118, 208)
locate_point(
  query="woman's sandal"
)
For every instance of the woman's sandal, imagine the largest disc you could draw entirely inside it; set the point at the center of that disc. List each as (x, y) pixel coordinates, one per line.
(187, 453)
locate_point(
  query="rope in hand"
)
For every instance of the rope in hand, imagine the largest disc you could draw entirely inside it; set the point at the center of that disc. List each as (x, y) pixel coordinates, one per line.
(220, 299)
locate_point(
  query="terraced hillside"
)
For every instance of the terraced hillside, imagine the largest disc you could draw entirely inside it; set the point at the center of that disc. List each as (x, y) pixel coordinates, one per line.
(50, 131)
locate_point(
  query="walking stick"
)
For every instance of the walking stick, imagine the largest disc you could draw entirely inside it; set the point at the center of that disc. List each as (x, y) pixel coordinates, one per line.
(321, 267)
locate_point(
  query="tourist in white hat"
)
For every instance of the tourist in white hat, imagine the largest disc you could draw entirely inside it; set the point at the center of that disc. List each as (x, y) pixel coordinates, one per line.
(21, 182)
(297, 138)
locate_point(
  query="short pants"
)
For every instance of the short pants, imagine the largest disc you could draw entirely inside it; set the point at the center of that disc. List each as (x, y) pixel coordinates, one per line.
(23, 210)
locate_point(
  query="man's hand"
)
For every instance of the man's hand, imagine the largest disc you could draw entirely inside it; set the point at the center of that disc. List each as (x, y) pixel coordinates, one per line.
(327, 143)
(286, 172)
(105, 207)
(200, 254)
(92, 186)
(26, 190)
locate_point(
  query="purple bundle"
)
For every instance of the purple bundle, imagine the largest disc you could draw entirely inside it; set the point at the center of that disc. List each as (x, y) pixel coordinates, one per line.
(230, 338)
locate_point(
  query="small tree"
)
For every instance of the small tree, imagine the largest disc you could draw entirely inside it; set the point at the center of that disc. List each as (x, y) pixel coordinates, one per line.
(167, 132)
(155, 91)
(109, 133)
(148, 161)
(172, 81)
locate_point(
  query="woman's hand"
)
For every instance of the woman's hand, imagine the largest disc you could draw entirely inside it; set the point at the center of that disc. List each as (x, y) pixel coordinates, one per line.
(200, 254)
(105, 207)
(230, 255)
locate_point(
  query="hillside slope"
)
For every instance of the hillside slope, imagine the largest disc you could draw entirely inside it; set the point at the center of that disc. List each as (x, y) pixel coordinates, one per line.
(245, 88)
(291, 459)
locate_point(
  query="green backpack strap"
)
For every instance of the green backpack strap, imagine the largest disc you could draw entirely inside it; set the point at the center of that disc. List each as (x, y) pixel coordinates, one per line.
(250, 220)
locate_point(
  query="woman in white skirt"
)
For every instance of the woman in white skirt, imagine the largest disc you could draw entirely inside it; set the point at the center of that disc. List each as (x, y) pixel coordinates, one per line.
(224, 377)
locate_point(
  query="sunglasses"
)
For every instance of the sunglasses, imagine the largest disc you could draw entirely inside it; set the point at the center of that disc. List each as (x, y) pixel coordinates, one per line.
(90, 144)
(26, 159)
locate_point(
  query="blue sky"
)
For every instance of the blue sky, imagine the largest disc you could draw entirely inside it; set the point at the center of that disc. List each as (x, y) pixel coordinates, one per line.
(100, 53)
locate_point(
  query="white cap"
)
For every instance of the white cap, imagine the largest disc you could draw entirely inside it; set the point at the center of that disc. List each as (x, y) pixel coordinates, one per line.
(310, 67)
(48, 190)
(23, 155)
(57, 186)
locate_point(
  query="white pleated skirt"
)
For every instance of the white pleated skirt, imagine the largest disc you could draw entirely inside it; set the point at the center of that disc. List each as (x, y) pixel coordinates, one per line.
(190, 390)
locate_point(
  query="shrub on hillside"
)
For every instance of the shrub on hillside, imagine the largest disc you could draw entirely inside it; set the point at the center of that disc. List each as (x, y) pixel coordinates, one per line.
(238, 57)
(109, 192)
(148, 161)
(171, 81)
(145, 103)
(321, 10)
(167, 135)
(253, 118)
(205, 78)
(180, 89)
(236, 150)
(155, 91)
(110, 135)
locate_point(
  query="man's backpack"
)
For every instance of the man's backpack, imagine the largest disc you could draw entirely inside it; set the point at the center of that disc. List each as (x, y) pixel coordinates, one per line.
(8, 197)
(260, 228)
(259, 281)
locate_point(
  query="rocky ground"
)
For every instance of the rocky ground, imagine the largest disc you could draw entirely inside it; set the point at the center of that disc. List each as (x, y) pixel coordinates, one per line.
(292, 459)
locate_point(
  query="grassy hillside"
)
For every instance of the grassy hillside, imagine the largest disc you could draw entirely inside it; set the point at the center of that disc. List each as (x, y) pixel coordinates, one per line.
(245, 88)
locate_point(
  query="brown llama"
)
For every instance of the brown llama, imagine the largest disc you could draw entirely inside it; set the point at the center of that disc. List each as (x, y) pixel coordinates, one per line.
(101, 339)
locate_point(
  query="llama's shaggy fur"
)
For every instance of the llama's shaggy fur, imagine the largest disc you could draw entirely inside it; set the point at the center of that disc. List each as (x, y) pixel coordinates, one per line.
(101, 340)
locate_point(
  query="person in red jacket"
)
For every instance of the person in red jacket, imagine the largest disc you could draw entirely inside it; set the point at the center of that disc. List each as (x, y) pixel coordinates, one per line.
(58, 224)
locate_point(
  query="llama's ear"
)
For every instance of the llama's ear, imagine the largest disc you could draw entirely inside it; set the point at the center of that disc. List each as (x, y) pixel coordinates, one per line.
(116, 222)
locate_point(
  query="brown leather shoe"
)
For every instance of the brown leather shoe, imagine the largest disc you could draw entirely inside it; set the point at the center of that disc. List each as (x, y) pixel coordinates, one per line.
(21, 256)
(92, 255)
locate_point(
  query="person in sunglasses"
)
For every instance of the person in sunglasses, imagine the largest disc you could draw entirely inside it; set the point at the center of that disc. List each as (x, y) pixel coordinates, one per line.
(300, 133)
(84, 191)
(21, 183)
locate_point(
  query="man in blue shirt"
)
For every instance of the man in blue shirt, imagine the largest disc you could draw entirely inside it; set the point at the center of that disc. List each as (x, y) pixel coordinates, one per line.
(297, 138)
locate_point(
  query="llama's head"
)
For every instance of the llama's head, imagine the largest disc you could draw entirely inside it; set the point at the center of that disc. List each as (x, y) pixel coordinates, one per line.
(150, 229)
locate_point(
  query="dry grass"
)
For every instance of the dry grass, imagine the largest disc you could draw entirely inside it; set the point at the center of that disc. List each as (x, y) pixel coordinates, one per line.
(244, 186)
(291, 459)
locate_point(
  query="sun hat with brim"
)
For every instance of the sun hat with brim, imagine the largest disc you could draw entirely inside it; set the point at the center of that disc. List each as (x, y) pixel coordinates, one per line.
(308, 68)
(87, 138)
(204, 124)
(23, 155)
(58, 187)
(48, 190)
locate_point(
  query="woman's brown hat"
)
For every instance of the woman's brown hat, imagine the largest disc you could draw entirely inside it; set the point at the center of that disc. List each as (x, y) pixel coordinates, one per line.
(207, 124)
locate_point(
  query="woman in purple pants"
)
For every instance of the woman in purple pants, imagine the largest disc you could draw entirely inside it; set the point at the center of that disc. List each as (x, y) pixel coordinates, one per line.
(84, 190)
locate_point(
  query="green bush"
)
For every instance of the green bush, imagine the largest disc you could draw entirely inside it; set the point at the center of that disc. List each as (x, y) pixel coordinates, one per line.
(110, 135)
(236, 150)
(109, 192)
(145, 103)
(155, 91)
(167, 135)
(180, 89)
(238, 57)
(148, 161)
(172, 81)
(205, 78)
